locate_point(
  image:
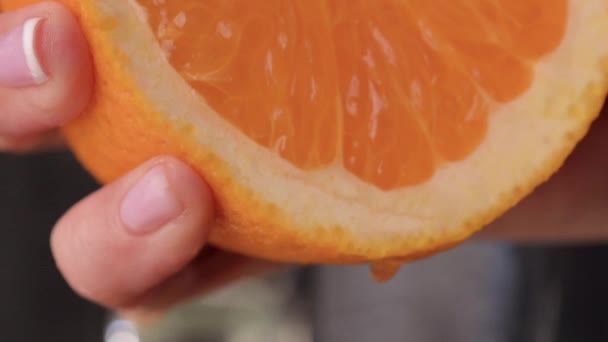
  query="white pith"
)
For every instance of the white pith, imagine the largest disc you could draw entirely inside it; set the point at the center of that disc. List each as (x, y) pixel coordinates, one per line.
(523, 137)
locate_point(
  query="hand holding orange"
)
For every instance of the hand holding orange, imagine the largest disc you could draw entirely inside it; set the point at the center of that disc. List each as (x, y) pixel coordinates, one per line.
(344, 131)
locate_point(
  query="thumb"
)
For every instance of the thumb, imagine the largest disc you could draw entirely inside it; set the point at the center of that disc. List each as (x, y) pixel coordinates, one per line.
(134, 234)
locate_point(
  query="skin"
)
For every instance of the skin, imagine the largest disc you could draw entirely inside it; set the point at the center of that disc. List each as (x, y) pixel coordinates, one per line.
(173, 263)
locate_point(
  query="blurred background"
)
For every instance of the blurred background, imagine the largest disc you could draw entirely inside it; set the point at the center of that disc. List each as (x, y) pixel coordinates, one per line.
(481, 291)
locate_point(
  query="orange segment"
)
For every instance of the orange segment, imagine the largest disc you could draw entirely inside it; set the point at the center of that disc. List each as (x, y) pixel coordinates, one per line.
(459, 120)
(385, 139)
(390, 89)
(264, 66)
(529, 29)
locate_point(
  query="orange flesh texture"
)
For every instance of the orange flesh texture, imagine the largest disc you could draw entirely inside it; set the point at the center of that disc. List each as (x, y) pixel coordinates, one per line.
(390, 90)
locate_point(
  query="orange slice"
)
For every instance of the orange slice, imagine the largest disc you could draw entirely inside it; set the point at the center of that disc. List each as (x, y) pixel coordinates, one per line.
(343, 131)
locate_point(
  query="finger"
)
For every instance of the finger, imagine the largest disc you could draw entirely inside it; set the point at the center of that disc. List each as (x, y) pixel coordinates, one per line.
(211, 270)
(46, 72)
(132, 235)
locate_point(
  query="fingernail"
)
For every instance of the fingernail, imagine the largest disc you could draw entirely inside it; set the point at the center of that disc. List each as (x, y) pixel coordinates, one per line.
(19, 61)
(150, 204)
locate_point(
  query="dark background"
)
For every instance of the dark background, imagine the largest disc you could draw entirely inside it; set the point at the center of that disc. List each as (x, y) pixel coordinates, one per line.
(36, 303)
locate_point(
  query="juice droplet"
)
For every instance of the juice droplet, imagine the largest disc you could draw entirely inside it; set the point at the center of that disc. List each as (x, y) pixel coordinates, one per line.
(385, 270)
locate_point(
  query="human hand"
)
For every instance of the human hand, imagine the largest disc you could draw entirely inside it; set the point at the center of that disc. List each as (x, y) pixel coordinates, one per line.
(135, 245)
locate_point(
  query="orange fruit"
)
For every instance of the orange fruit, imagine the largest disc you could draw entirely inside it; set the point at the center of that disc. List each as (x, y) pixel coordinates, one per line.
(344, 131)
